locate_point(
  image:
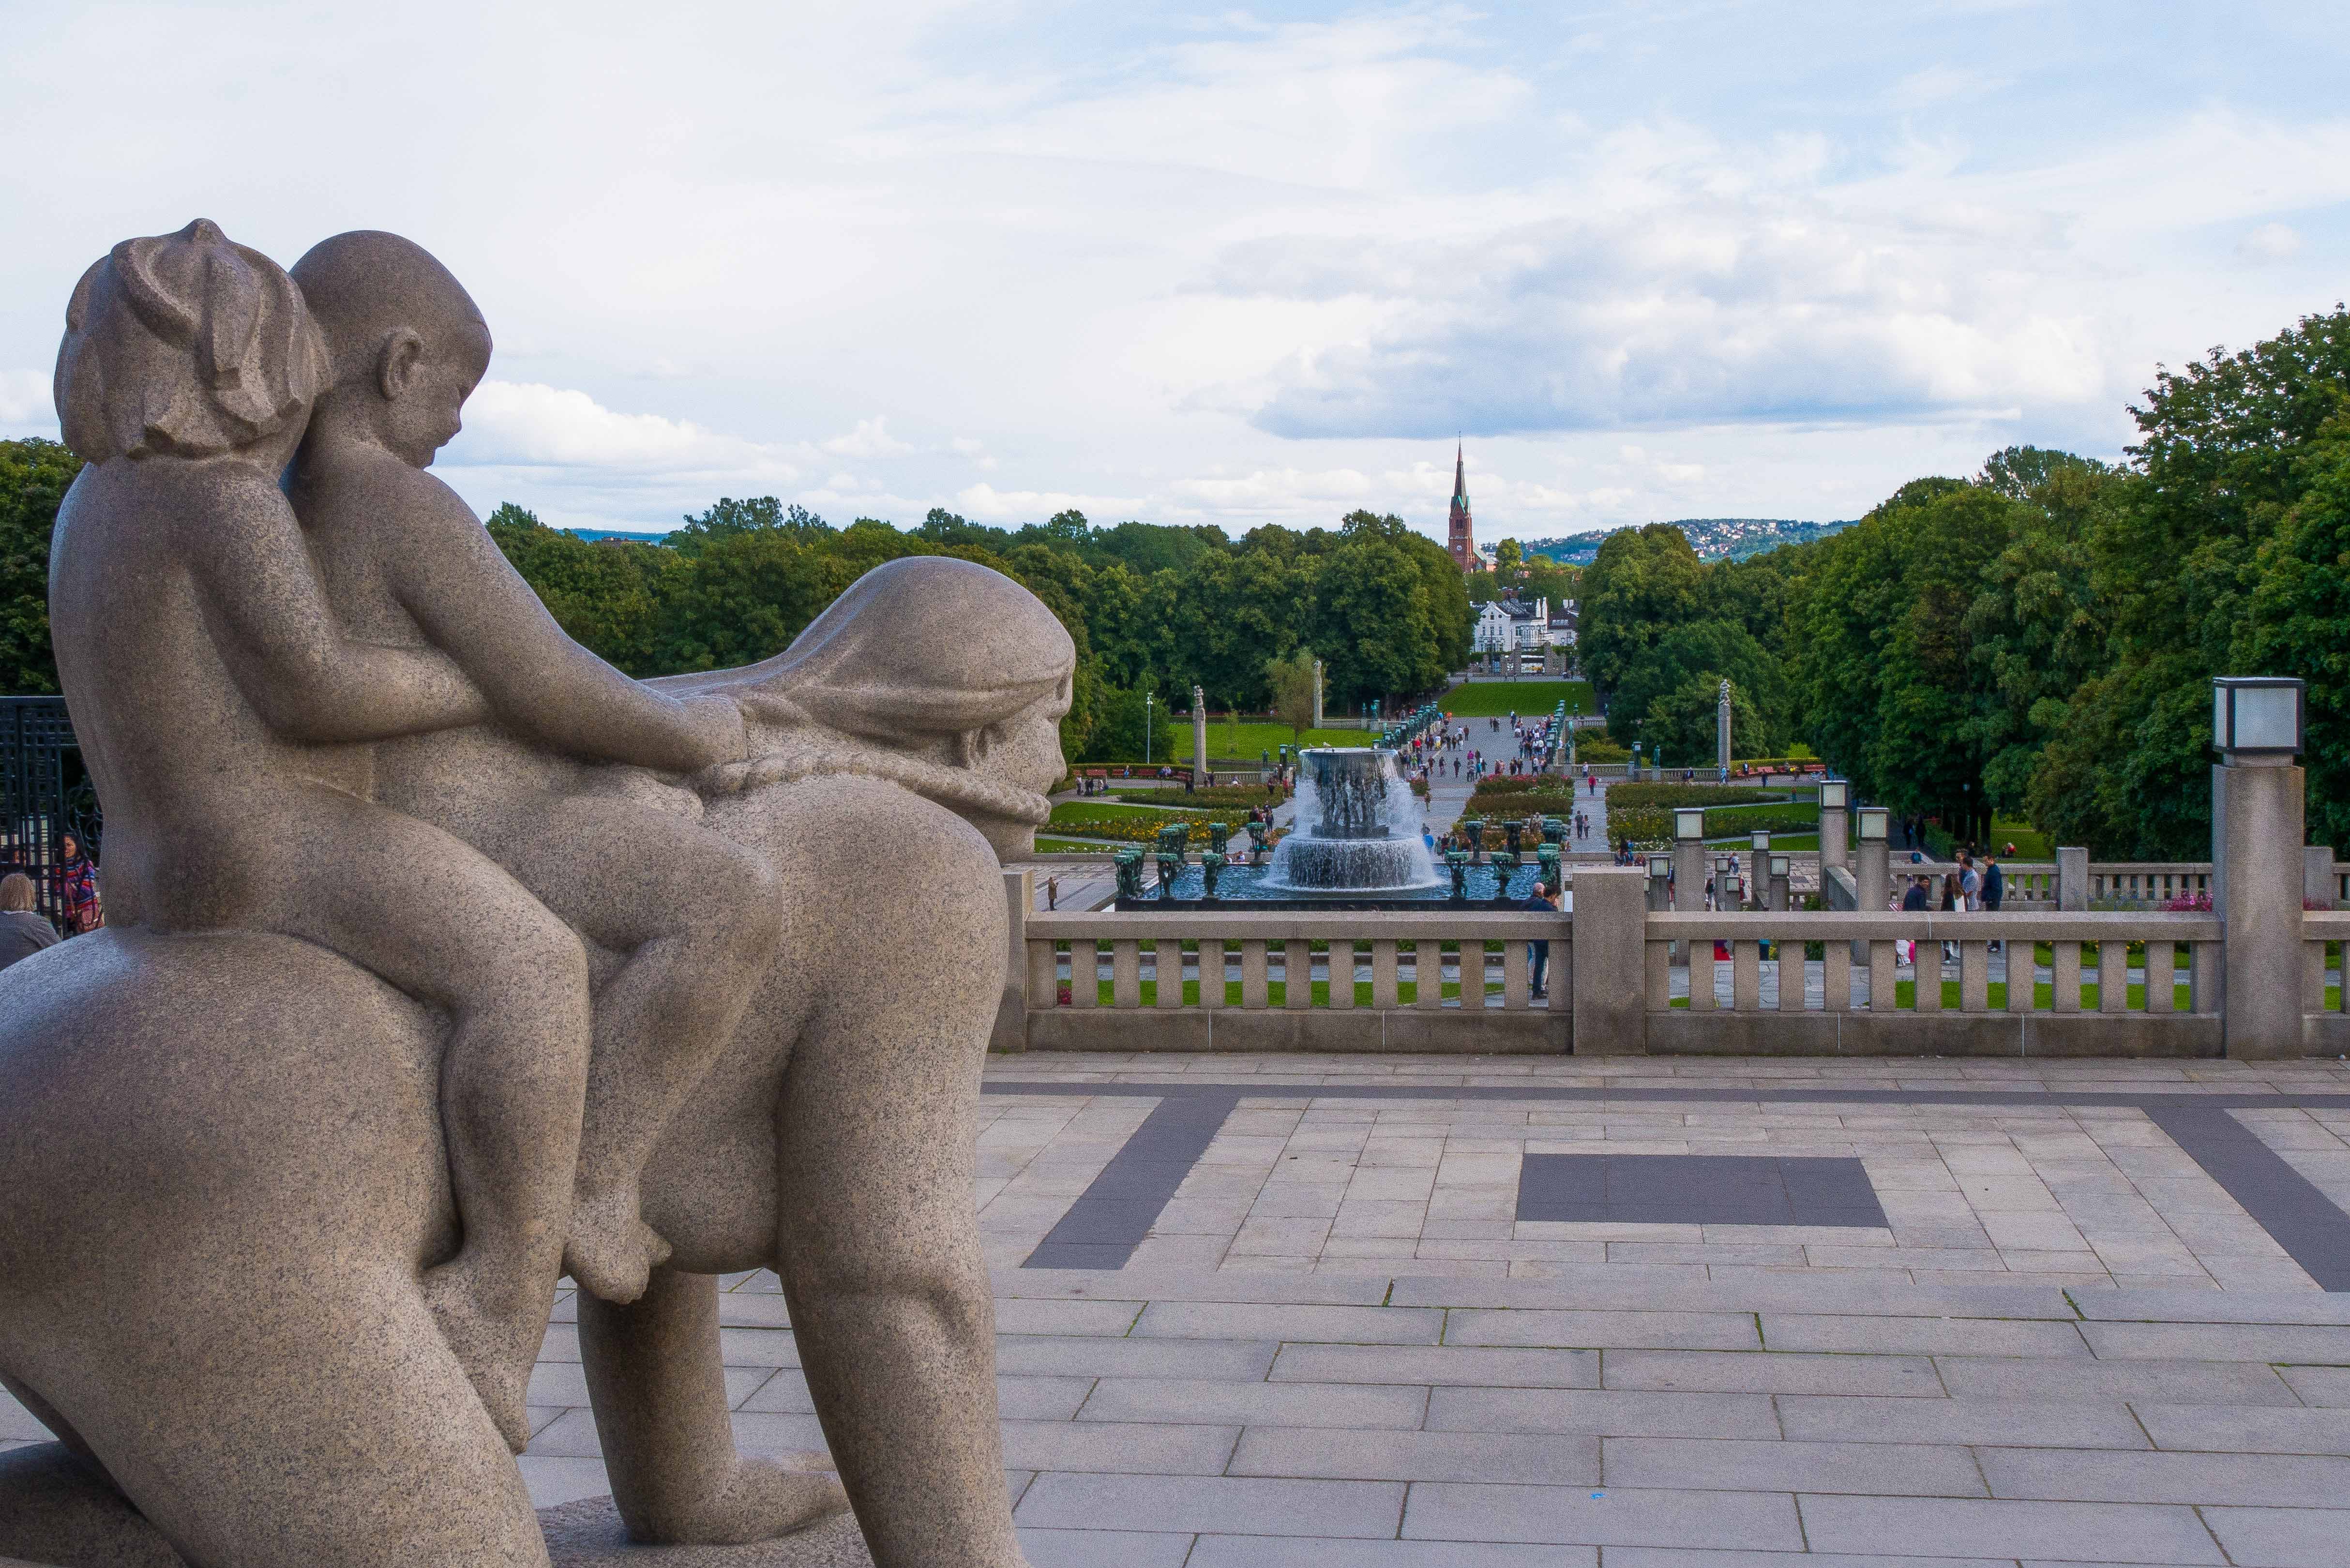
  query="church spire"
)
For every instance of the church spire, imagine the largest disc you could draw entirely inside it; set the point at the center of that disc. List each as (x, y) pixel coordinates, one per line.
(1461, 540)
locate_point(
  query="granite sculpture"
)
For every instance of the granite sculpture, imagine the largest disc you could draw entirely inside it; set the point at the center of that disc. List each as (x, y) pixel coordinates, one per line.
(407, 889)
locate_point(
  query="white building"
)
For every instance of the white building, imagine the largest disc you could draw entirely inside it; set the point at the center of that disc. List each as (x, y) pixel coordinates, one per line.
(1508, 623)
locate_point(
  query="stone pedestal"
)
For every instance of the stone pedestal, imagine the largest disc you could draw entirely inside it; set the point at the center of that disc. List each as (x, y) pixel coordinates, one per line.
(1011, 1033)
(1610, 930)
(1870, 869)
(2257, 875)
(2072, 877)
(580, 1535)
(1835, 831)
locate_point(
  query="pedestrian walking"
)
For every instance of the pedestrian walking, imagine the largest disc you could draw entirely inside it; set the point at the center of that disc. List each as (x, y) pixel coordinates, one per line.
(1545, 899)
(22, 932)
(74, 885)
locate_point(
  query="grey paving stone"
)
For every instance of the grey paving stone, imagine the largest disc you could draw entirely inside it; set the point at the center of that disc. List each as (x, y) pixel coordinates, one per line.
(2246, 1429)
(1193, 1503)
(2282, 1537)
(2207, 1306)
(2072, 1531)
(2218, 1341)
(1444, 1510)
(1017, 1398)
(1088, 1357)
(1254, 1403)
(1654, 1287)
(1607, 1412)
(1125, 1447)
(565, 1383)
(1663, 1330)
(1888, 1470)
(1922, 1335)
(19, 1423)
(1035, 1315)
(2001, 1421)
(1103, 1549)
(2172, 1382)
(2105, 1476)
(1269, 1552)
(1318, 1324)
(750, 1347)
(1684, 1557)
(1516, 1458)
(2324, 1385)
(1465, 1366)
(1769, 1372)
(753, 1309)
(1143, 1282)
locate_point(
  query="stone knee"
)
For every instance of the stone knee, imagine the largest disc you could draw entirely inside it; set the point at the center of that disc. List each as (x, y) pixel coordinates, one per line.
(540, 984)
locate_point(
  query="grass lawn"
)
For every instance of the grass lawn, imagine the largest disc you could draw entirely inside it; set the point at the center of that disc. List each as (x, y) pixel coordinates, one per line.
(1070, 846)
(1497, 699)
(2029, 845)
(1076, 813)
(1241, 743)
(1905, 997)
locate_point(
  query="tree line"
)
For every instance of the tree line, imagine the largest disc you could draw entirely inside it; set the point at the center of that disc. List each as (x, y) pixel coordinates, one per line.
(1154, 609)
(2037, 640)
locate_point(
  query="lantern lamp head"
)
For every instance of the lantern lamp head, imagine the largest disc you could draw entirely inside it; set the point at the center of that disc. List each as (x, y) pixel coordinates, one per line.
(1836, 794)
(1688, 822)
(2258, 716)
(1872, 824)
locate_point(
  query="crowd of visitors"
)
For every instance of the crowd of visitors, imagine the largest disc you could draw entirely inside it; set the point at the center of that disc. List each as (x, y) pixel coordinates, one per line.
(75, 907)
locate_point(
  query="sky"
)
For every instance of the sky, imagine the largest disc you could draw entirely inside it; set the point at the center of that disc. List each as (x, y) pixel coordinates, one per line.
(1228, 265)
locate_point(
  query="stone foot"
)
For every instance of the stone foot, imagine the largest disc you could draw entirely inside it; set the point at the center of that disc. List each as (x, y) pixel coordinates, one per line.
(589, 1534)
(761, 1499)
(612, 1252)
(486, 1345)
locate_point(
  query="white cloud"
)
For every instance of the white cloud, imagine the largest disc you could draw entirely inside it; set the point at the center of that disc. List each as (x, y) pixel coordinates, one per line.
(871, 438)
(2269, 242)
(511, 424)
(988, 504)
(25, 398)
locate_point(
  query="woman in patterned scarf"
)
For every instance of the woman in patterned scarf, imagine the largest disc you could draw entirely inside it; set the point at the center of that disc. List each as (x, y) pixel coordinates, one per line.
(74, 884)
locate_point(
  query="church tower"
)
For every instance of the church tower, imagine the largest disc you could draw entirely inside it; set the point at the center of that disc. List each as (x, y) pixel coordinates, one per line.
(1461, 542)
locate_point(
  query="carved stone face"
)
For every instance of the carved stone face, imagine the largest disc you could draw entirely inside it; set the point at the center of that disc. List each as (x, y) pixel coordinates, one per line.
(1023, 751)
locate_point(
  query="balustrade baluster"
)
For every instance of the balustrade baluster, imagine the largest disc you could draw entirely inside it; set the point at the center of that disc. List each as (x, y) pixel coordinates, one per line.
(1657, 965)
(2313, 977)
(2203, 983)
(1254, 993)
(1835, 976)
(2161, 975)
(1297, 974)
(2113, 977)
(1085, 972)
(1926, 975)
(1513, 977)
(1342, 971)
(1044, 977)
(1882, 995)
(1560, 981)
(2067, 970)
(1746, 976)
(1211, 972)
(1701, 997)
(1126, 974)
(1974, 977)
(1428, 972)
(2023, 968)
(1790, 975)
(1383, 972)
(1167, 962)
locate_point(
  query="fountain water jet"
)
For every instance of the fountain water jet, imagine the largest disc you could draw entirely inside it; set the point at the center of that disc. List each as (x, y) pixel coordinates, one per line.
(1358, 829)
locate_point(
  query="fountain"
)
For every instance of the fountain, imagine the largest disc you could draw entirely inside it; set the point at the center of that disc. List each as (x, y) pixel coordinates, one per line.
(1358, 829)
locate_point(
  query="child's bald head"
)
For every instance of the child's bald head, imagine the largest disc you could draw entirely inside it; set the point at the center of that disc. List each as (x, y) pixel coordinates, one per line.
(407, 342)
(365, 285)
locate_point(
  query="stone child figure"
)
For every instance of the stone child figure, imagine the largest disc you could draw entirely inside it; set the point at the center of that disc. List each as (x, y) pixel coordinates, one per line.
(407, 565)
(213, 687)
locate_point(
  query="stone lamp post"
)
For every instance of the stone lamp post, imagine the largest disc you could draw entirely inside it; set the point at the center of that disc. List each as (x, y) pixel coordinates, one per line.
(1869, 866)
(2258, 798)
(1688, 857)
(1835, 826)
(1780, 883)
(1757, 865)
(1660, 874)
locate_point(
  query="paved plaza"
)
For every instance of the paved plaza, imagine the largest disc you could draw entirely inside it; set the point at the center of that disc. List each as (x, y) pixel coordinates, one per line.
(2016, 1313)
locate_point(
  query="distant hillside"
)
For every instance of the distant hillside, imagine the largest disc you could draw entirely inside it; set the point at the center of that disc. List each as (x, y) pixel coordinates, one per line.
(1713, 538)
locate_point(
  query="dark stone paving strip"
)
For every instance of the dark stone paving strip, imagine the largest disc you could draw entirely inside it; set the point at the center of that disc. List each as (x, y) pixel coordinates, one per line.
(1698, 1189)
(1111, 1217)
(2288, 1205)
(1124, 1202)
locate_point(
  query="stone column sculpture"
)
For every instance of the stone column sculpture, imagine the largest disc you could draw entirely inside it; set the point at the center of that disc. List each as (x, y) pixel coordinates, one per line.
(1200, 773)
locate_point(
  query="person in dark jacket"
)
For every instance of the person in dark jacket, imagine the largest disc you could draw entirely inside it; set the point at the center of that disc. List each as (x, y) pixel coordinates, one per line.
(1994, 885)
(1544, 900)
(23, 934)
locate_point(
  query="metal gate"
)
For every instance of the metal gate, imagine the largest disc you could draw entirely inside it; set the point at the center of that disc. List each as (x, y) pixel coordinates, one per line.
(45, 793)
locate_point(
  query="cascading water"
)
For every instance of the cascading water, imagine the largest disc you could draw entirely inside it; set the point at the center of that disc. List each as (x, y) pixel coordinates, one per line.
(1358, 829)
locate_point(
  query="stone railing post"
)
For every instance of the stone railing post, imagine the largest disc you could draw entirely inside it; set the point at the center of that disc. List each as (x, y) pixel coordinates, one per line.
(1610, 933)
(1835, 825)
(1011, 1033)
(1871, 862)
(1688, 861)
(2317, 887)
(2257, 871)
(2072, 879)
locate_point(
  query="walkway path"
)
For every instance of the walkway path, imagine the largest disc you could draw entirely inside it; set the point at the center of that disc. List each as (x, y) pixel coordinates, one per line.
(2051, 1336)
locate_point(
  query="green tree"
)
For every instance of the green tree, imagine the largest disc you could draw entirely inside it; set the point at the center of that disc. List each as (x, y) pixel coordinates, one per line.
(1291, 679)
(1120, 736)
(34, 477)
(1643, 582)
(1681, 723)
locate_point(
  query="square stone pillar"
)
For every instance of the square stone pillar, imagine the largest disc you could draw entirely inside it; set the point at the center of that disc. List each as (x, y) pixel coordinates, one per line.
(1011, 1032)
(1689, 873)
(2318, 887)
(2257, 879)
(1610, 933)
(1870, 870)
(2072, 878)
(1836, 837)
